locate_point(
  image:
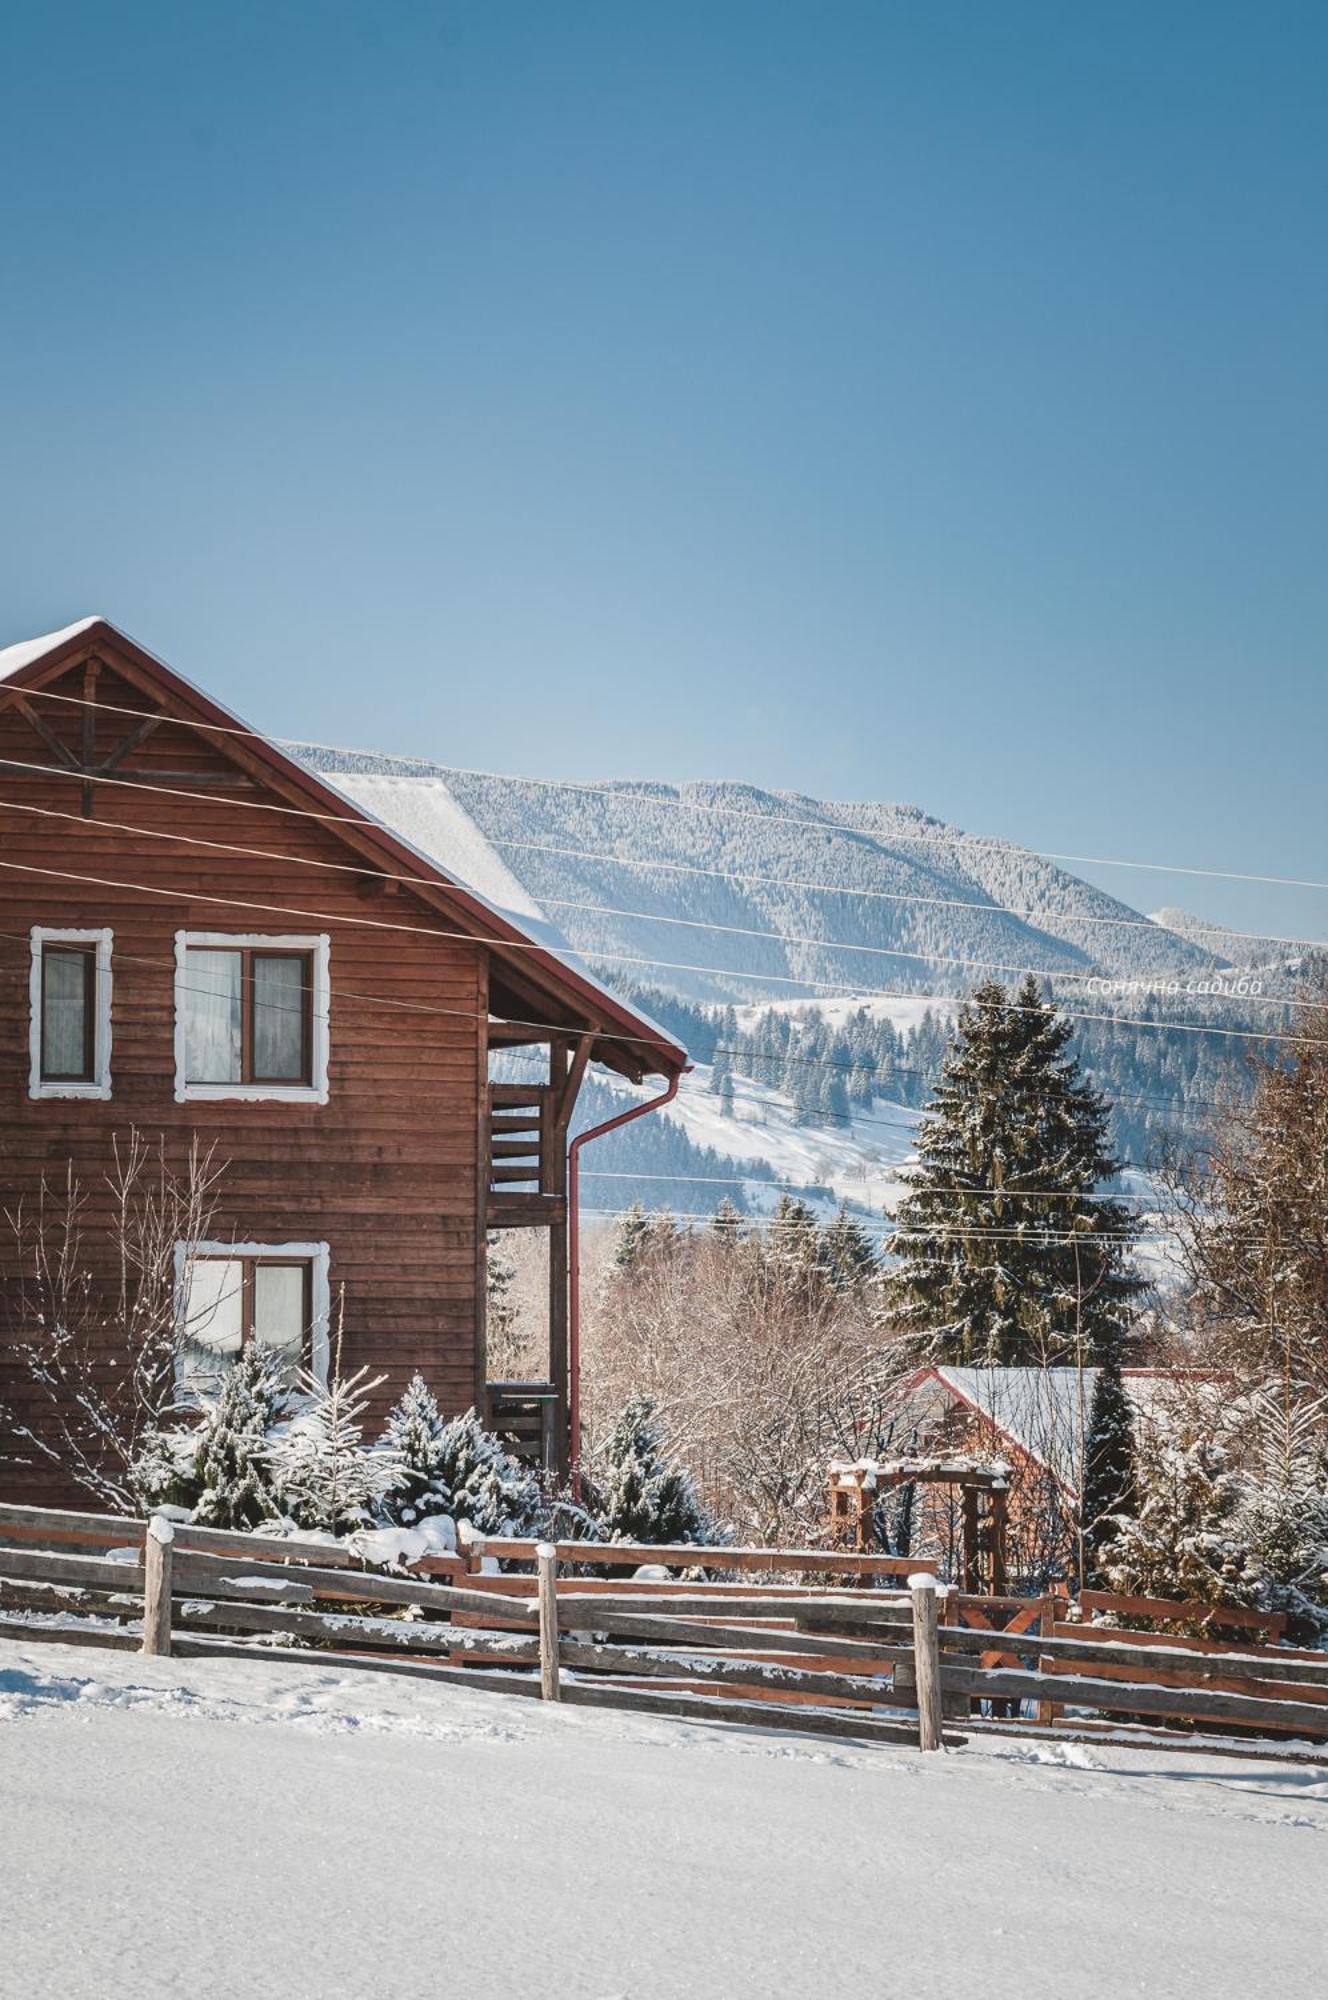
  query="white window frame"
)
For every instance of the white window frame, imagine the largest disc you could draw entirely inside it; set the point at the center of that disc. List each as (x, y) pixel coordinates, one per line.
(100, 1086)
(320, 950)
(316, 1255)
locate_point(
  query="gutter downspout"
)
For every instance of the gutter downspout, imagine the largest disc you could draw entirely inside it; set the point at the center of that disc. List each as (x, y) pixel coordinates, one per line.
(574, 1252)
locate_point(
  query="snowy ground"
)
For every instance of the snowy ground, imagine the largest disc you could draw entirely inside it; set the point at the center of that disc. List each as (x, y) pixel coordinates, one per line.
(260, 1829)
(860, 1161)
(904, 1011)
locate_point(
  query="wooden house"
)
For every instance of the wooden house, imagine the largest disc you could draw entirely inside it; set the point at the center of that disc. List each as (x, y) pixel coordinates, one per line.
(204, 940)
(1022, 1429)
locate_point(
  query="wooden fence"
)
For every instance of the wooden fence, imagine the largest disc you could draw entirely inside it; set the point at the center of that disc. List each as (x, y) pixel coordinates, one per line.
(872, 1659)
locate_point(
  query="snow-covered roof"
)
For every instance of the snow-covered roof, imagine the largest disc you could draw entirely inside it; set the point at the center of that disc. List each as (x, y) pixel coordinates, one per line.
(28, 651)
(425, 812)
(1045, 1411)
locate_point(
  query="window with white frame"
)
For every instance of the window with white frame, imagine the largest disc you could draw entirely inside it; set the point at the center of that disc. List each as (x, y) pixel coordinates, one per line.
(236, 1295)
(69, 1036)
(251, 1017)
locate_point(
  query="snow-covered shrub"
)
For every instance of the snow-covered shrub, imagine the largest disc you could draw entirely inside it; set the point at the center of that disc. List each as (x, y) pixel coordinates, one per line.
(567, 1515)
(414, 1439)
(1284, 1525)
(484, 1484)
(329, 1481)
(1186, 1539)
(221, 1468)
(642, 1493)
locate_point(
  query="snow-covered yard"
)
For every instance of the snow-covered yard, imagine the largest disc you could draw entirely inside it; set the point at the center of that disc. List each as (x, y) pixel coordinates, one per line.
(254, 1828)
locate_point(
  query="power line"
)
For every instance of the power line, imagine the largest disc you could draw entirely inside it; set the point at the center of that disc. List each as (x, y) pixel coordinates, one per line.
(879, 950)
(324, 1016)
(518, 1055)
(750, 1180)
(877, 895)
(1065, 1238)
(987, 842)
(601, 909)
(929, 1076)
(626, 958)
(142, 784)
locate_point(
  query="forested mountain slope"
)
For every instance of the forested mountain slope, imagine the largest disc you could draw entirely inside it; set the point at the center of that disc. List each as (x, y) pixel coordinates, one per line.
(804, 896)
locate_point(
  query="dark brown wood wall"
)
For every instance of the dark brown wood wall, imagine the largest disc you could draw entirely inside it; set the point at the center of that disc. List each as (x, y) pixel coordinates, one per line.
(388, 1172)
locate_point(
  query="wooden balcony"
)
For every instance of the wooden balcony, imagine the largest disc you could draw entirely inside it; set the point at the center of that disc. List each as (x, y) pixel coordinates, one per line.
(527, 1168)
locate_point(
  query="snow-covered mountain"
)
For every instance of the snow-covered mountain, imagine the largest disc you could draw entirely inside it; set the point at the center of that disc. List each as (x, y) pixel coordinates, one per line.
(721, 894)
(722, 891)
(1234, 948)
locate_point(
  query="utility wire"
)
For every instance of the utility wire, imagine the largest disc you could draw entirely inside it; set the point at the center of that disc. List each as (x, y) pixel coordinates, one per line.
(626, 958)
(368, 873)
(545, 1027)
(987, 842)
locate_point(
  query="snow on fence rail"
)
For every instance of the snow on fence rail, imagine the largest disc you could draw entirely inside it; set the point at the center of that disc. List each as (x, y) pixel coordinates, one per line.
(885, 1663)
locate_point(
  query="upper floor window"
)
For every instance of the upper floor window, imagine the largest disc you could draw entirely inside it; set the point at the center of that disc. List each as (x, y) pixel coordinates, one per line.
(70, 1013)
(251, 1017)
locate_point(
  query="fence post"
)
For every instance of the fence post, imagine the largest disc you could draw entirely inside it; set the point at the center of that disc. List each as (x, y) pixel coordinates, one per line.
(1048, 1712)
(157, 1548)
(926, 1660)
(546, 1556)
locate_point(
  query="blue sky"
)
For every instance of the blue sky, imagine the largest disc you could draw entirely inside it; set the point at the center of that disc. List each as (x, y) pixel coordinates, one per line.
(918, 402)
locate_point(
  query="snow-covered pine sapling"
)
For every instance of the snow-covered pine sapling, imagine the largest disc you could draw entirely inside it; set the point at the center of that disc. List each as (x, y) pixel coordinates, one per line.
(233, 1463)
(1283, 1510)
(415, 1441)
(487, 1487)
(329, 1481)
(1184, 1541)
(1284, 1526)
(644, 1494)
(220, 1468)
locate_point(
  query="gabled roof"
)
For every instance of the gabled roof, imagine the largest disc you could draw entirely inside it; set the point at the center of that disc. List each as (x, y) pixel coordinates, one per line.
(1043, 1412)
(435, 844)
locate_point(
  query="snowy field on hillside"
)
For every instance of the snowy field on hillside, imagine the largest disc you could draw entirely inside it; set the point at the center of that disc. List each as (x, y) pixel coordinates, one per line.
(904, 1011)
(265, 1829)
(859, 1162)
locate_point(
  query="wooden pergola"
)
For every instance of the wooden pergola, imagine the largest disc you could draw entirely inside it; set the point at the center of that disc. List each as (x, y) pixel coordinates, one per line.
(984, 1499)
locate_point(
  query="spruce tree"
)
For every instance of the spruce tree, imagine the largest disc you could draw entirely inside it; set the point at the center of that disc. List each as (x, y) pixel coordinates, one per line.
(484, 1485)
(726, 1222)
(329, 1481)
(222, 1468)
(644, 1494)
(848, 1254)
(633, 1238)
(415, 1441)
(502, 1315)
(1005, 1255)
(795, 1239)
(1109, 1481)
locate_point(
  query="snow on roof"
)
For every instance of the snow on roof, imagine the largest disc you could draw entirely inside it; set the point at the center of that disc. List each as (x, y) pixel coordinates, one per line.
(424, 813)
(1045, 1411)
(27, 651)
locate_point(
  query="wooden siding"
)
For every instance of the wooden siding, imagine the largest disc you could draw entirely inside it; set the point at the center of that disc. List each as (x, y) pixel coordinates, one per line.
(389, 1172)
